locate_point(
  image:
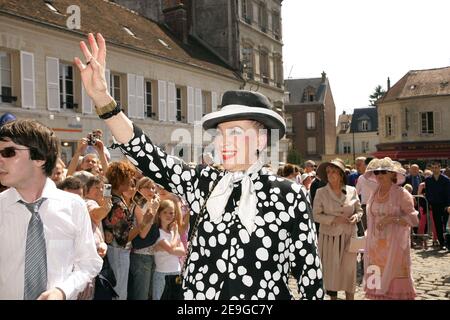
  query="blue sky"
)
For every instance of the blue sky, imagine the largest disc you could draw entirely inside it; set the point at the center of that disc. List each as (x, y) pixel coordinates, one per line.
(359, 43)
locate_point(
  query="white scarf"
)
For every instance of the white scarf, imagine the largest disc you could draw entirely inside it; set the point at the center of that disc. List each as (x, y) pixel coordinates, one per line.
(247, 209)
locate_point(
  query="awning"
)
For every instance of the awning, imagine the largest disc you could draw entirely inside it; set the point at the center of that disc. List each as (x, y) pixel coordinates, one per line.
(413, 154)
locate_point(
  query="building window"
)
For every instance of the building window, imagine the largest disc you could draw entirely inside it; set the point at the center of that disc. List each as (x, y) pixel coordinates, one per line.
(246, 10)
(347, 147)
(364, 146)
(364, 125)
(311, 145)
(247, 61)
(426, 123)
(344, 126)
(5, 77)
(264, 66)
(148, 99)
(262, 15)
(276, 25)
(66, 86)
(115, 87)
(178, 104)
(289, 124)
(310, 120)
(278, 71)
(389, 126)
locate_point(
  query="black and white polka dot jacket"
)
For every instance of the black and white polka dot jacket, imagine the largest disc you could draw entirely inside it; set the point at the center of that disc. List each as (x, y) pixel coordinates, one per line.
(226, 262)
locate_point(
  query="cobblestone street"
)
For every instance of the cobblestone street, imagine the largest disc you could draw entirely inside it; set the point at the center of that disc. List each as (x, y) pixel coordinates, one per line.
(431, 272)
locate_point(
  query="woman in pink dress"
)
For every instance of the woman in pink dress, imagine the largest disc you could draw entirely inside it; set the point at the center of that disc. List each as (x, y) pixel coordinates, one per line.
(390, 216)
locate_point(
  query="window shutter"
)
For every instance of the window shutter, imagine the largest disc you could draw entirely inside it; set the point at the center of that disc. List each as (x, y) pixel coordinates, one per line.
(140, 98)
(394, 126)
(198, 104)
(437, 122)
(162, 98)
(108, 79)
(190, 105)
(28, 95)
(213, 101)
(415, 122)
(86, 101)
(53, 97)
(171, 97)
(131, 85)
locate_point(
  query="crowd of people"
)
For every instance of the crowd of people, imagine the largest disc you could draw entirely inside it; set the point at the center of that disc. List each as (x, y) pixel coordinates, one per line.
(102, 229)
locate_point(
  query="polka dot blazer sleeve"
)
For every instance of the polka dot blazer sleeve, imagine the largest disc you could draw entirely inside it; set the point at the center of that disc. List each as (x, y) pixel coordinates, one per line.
(169, 171)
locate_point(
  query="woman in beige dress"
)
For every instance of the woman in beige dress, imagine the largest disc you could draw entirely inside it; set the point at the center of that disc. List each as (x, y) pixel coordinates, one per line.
(337, 209)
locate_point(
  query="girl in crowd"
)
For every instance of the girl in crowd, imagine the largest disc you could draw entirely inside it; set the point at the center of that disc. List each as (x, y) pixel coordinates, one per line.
(337, 209)
(168, 247)
(390, 216)
(141, 257)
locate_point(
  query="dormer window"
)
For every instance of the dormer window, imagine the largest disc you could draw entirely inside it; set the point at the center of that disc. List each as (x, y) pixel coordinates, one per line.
(364, 125)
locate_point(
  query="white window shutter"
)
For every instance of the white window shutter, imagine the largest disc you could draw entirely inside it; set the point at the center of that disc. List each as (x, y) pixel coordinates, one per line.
(131, 85)
(162, 100)
(171, 97)
(140, 101)
(190, 105)
(53, 97)
(213, 101)
(437, 122)
(198, 104)
(28, 94)
(108, 79)
(86, 101)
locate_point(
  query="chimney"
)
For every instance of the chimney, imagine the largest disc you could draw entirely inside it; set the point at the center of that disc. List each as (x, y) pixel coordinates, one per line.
(175, 16)
(388, 84)
(324, 76)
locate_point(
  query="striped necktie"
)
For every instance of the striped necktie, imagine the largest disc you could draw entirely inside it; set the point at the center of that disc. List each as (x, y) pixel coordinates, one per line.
(35, 280)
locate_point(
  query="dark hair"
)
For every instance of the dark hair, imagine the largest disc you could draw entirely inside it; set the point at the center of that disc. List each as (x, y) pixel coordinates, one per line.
(93, 181)
(42, 141)
(70, 183)
(288, 170)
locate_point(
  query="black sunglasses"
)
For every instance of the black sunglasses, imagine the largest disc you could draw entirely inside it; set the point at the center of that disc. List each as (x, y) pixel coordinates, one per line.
(380, 172)
(10, 152)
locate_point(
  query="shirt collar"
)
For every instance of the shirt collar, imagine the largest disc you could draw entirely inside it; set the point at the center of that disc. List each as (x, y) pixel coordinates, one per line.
(48, 192)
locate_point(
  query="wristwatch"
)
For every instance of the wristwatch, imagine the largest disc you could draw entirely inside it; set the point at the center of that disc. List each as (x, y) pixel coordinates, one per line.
(111, 109)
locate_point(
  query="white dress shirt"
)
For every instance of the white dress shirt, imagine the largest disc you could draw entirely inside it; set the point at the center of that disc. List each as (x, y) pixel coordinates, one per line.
(72, 259)
(365, 188)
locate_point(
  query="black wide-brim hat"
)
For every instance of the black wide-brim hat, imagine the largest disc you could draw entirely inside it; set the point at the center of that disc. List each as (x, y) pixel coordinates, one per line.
(245, 105)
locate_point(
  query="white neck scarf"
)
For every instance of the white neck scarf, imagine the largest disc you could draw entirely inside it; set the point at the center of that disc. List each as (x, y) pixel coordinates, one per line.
(247, 209)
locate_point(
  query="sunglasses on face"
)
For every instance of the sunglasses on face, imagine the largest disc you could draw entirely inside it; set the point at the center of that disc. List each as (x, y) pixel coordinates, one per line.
(10, 152)
(380, 172)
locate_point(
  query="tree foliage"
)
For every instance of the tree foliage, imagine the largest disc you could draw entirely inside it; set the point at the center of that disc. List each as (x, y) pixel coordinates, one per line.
(378, 93)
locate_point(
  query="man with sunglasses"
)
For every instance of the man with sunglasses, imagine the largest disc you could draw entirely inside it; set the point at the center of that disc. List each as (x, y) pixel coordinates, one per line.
(47, 249)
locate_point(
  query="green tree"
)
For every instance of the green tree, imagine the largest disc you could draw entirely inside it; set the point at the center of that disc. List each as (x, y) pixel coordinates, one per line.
(378, 93)
(294, 157)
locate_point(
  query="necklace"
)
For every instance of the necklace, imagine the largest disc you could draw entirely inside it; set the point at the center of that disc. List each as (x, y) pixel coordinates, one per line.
(384, 197)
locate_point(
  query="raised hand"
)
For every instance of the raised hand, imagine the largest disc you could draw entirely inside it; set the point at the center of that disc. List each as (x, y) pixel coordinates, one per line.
(93, 71)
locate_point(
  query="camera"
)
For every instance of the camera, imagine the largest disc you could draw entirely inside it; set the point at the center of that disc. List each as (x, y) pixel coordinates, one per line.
(107, 190)
(91, 139)
(140, 200)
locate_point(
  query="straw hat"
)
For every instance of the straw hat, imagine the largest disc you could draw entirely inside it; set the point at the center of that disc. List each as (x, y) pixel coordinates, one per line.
(386, 164)
(322, 169)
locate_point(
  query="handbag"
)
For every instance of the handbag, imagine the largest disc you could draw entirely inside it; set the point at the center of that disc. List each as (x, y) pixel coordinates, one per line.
(357, 243)
(105, 283)
(173, 287)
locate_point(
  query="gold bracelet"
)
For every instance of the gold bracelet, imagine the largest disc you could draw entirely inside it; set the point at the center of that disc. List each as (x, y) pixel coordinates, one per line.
(105, 109)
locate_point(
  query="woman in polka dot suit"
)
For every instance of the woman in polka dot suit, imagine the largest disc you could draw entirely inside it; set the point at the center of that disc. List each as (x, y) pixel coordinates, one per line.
(256, 228)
